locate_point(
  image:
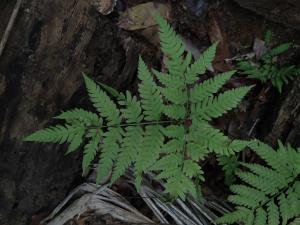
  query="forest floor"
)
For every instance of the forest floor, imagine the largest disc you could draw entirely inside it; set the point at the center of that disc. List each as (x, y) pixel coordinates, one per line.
(239, 33)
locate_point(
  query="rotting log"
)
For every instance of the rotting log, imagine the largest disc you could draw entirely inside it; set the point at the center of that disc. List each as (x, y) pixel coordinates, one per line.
(281, 11)
(51, 43)
(286, 125)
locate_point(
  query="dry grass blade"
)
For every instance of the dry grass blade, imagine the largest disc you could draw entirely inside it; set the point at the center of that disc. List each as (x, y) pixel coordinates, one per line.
(102, 202)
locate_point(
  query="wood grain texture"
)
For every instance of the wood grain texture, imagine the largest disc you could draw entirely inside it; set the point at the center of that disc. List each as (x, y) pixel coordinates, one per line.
(40, 71)
(282, 11)
(104, 6)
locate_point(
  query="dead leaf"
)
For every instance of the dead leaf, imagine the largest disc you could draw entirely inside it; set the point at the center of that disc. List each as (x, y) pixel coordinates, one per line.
(216, 35)
(141, 16)
(259, 48)
(37, 218)
(151, 34)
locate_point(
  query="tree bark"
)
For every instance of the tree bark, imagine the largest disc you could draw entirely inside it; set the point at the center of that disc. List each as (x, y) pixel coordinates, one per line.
(281, 11)
(51, 43)
(286, 126)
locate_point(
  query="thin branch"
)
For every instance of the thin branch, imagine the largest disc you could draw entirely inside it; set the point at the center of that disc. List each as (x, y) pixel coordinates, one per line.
(10, 25)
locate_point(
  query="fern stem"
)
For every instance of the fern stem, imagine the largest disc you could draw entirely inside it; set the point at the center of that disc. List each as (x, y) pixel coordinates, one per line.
(137, 124)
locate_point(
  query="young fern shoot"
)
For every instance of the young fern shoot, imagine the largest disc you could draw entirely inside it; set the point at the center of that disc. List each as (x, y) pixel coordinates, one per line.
(131, 131)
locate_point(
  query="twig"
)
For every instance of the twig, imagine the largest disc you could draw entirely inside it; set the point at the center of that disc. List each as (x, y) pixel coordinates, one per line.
(253, 126)
(10, 25)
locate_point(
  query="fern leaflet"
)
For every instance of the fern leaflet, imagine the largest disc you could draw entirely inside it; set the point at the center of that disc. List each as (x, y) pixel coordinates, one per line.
(268, 195)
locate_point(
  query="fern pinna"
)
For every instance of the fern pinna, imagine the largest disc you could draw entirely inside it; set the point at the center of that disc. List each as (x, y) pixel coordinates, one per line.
(165, 130)
(270, 194)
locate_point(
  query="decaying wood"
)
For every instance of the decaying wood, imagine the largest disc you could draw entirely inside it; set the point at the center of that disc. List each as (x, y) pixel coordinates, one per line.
(104, 6)
(286, 126)
(10, 25)
(103, 201)
(50, 45)
(281, 11)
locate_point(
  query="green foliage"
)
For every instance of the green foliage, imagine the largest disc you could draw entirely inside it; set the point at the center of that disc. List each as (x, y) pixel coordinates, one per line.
(166, 130)
(230, 166)
(270, 194)
(267, 69)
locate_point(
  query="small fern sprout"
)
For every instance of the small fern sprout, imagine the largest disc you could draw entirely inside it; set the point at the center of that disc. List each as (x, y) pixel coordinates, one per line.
(267, 70)
(166, 129)
(270, 194)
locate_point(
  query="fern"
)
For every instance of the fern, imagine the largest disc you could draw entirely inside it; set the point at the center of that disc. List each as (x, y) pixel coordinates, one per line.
(271, 193)
(230, 166)
(91, 148)
(265, 69)
(165, 129)
(103, 104)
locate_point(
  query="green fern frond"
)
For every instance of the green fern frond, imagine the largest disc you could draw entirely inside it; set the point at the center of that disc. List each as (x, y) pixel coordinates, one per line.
(241, 214)
(196, 151)
(153, 141)
(132, 111)
(230, 166)
(260, 216)
(209, 87)
(180, 186)
(169, 81)
(175, 112)
(152, 103)
(86, 117)
(113, 92)
(173, 146)
(164, 129)
(167, 162)
(210, 138)
(76, 140)
(201, 64)
(91, 149)
(268, 37)
(132, 143)
(171, 44)
(295, 222)
(177, 183)
(152, 147)
(280, 49)
(270, 197)
(217, 106)
(55, 134)
(174, 131)
(192, 169)
(110, 148)
(172, 47)
(175, 95)
(265, 69)
(277, 179)
(103, 104)
(267, 154)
